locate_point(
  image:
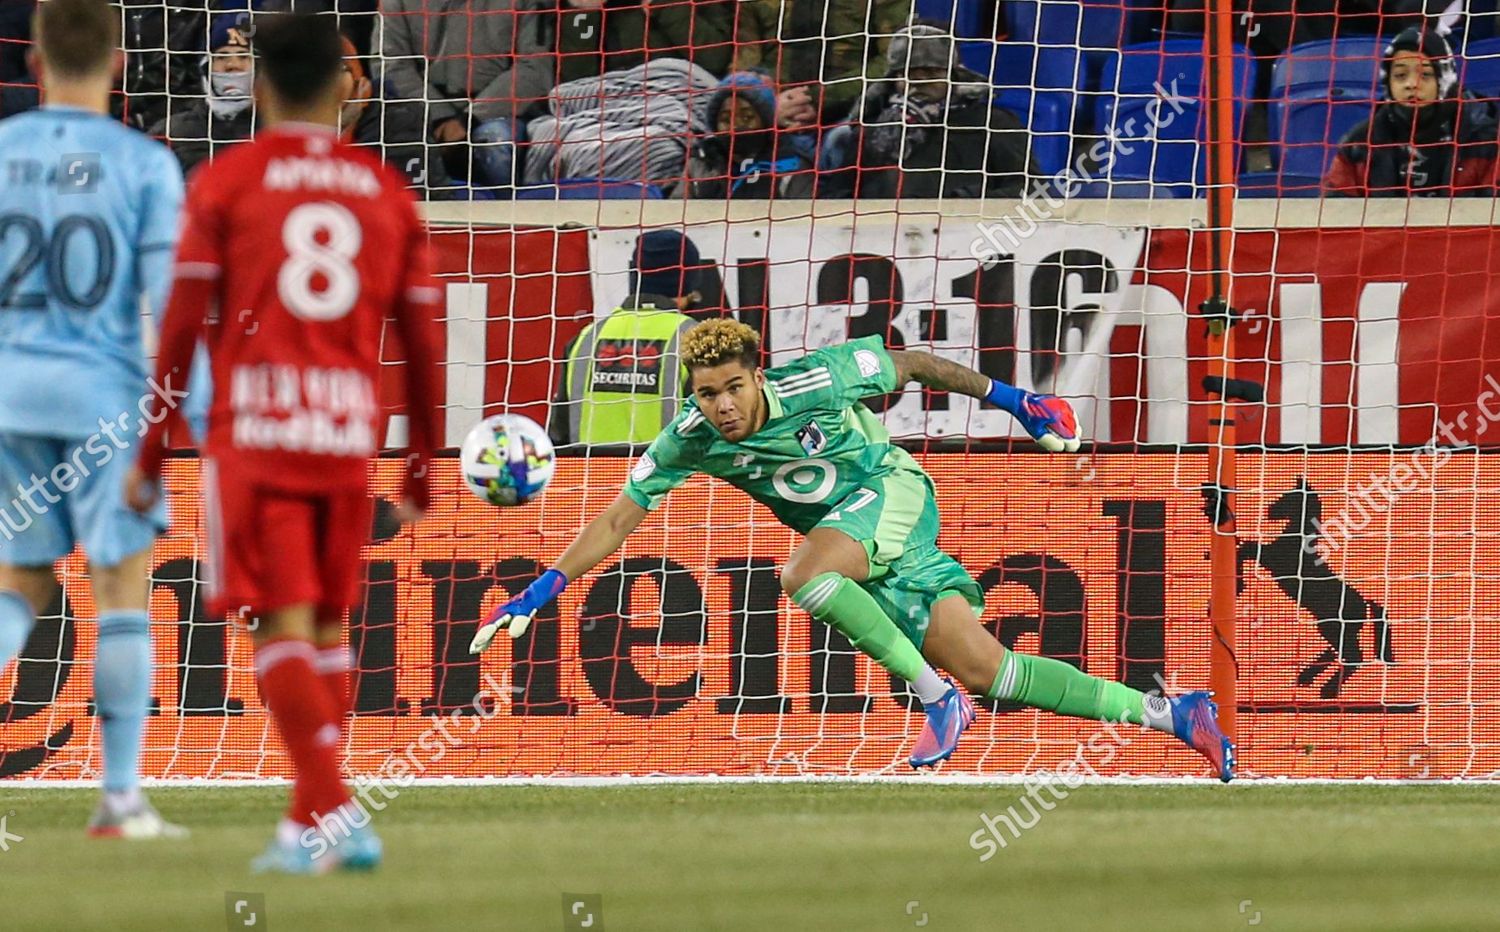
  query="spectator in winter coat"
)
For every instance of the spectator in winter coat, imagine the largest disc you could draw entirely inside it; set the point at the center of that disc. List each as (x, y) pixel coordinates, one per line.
(744, 155)
(202, 126)
(820, 52)
(458, 59)
(929, 130)
(1425, 139)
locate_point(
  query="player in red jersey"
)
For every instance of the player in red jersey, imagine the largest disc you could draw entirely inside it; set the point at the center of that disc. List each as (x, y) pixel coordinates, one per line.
(296, 247)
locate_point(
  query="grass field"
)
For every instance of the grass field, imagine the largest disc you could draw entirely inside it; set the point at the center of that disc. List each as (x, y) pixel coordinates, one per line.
(791, 856)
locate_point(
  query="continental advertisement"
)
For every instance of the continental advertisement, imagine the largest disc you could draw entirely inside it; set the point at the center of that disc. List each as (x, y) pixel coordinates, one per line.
(1368, 630)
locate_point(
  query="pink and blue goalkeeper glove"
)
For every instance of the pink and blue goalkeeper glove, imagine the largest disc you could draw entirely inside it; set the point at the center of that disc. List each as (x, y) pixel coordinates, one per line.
(515, 615)
(1047, 418)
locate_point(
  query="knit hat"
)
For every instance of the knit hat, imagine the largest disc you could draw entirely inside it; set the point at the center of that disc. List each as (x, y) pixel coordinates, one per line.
(664, 263)
(752, 85)
(919, 46)
(231, 15)
(1430, 46)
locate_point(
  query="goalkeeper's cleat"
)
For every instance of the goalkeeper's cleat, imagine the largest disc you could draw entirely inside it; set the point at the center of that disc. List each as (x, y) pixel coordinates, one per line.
(137, 822)
(946, 720)
(1050, 422)
(361, 851)
(1195, 720)
(292, 858)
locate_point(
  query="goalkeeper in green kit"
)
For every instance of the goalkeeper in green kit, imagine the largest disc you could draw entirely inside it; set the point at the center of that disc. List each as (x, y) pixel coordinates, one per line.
(799, 440)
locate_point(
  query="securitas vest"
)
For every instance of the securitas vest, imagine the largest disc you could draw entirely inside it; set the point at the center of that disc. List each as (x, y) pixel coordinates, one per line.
(624, 378)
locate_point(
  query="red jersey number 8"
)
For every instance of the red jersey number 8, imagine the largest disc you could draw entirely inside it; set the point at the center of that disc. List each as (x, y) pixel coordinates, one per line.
(321, 240)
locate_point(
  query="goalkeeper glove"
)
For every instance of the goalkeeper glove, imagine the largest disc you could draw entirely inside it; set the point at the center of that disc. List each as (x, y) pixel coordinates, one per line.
(1047, 418)
(515, 615)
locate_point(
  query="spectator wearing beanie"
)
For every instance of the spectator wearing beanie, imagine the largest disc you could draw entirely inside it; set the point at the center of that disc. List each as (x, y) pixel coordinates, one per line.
(1426, 138)
(928, 130)
(744, 155)
(226, 115)
(623, 379)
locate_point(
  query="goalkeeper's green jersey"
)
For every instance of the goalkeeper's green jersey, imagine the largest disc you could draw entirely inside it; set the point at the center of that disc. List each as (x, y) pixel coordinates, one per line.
(819, 445)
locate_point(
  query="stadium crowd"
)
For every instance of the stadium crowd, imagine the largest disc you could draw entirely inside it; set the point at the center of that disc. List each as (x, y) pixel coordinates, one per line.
(487, 99)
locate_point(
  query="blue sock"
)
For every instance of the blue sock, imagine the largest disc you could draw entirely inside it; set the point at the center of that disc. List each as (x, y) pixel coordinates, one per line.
(16, 622)
(122, 694)
(1005, 397)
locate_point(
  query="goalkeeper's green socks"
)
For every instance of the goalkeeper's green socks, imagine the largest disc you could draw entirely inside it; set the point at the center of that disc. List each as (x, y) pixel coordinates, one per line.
(843, 605)
(1045, 683)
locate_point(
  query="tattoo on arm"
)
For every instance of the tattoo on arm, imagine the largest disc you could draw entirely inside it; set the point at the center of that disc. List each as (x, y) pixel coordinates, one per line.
(936, 372)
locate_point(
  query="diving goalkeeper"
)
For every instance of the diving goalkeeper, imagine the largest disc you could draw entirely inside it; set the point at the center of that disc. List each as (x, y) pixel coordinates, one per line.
(798, 439)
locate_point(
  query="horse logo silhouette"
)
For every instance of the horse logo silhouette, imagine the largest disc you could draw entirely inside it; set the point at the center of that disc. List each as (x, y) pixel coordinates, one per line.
(1342, 611)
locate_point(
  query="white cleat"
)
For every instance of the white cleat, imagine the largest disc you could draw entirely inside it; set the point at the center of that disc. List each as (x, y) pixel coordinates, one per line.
(139, 822)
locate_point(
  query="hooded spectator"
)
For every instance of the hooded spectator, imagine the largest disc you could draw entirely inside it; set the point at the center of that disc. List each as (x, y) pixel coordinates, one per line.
(928, 130)
(1426, 138)
(744, 155)
(225, 115)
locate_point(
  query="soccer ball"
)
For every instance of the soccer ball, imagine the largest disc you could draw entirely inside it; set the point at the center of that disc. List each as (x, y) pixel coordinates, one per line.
(507, 459)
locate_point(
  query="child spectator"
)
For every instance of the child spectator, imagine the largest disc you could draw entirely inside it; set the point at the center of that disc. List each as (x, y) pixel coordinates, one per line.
(1426, 138)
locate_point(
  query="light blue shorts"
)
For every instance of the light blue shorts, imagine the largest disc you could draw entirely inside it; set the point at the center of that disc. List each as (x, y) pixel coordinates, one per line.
(76, 495)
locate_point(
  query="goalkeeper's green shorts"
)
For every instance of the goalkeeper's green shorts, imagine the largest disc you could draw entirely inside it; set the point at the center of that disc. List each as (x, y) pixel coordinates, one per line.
(895, 517)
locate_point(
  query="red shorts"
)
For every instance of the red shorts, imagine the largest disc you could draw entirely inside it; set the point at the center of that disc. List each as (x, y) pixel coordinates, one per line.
(270, 549)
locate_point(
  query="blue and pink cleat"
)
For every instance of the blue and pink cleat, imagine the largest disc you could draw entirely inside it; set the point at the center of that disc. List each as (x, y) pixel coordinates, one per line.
(946, 720)
(1195, 720)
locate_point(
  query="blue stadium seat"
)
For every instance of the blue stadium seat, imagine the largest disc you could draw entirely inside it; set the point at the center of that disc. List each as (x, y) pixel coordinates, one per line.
(1038, 84)
(1164, 136)
(1095, 29)
(1048, 122)
(1481, 68)
(964, 17)
(1279, 184)
(1308, 131)
(1342, 68)
(590, 189)
(1133, 190)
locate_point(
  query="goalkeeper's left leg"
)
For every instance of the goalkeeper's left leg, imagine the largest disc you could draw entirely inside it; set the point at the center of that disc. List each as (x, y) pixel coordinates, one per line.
(957, 642)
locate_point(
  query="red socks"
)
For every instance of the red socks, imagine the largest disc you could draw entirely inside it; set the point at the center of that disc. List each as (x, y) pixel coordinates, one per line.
(333, 669)
(308, 718)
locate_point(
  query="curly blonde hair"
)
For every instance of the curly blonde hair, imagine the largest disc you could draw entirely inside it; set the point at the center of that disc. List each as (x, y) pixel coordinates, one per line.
(723, 339)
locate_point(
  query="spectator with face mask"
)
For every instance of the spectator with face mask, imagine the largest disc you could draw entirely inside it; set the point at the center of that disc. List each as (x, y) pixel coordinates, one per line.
(394, 129)
(744, 155)
(1426, 138)
(226, 115)
(928, 130)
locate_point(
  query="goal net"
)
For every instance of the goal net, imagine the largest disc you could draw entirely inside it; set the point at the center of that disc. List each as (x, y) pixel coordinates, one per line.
(1361, 629)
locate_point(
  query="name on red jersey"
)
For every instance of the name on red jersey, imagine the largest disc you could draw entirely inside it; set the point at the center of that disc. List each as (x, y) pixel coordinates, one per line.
(291, 172)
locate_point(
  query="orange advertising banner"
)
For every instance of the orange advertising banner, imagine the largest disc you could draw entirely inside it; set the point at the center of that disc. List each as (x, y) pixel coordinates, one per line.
(1368, 635)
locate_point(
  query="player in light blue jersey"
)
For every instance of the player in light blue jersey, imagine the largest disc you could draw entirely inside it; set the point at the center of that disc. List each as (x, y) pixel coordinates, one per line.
(88, 228)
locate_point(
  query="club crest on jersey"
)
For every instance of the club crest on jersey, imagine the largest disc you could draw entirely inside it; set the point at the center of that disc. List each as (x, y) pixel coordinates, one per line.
(868, 362)
(812, 438)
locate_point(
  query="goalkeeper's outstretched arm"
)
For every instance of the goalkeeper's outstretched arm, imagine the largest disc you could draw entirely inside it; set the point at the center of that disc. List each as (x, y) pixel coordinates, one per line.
(602, 537)
(1047, 418)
